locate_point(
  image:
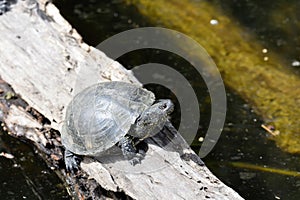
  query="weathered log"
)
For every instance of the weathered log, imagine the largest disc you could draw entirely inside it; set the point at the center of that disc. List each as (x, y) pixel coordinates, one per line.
(40, 57)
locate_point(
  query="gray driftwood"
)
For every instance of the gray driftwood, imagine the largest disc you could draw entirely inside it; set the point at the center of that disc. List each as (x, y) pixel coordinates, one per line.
(40, 57)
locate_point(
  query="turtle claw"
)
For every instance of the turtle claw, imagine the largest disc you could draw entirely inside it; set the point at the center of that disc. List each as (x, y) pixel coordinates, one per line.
(129, 151)
(136, 159)
(72, 162)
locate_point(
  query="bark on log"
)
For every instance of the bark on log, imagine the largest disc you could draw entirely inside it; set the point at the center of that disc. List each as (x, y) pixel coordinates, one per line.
(40, 57)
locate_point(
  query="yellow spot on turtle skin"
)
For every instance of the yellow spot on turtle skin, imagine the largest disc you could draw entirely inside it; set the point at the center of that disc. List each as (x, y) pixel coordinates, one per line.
(9, 95)
(270, 86)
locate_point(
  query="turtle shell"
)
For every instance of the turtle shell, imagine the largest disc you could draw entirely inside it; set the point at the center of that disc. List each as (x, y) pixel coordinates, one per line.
(99, 116)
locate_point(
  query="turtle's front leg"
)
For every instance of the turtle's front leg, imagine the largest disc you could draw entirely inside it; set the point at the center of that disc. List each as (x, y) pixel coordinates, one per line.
(71, 161)
(129, 151)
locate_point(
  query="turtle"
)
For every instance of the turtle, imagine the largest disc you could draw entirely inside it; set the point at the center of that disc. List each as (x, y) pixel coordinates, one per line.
(111, 113)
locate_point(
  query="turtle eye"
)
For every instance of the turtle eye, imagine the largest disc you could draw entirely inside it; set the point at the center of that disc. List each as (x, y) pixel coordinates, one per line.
(162, 107)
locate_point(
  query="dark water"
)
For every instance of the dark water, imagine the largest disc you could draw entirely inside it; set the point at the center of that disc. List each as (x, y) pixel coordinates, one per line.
(275, 24)
(26, 176)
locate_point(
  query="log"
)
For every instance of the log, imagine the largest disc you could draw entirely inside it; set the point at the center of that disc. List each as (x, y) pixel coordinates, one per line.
(40, 58)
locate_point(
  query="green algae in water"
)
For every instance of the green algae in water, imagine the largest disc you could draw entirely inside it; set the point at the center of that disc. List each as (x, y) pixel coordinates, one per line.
(264, 169)
(270, 87)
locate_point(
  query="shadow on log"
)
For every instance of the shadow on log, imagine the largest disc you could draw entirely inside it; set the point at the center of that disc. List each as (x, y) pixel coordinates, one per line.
(40, 57)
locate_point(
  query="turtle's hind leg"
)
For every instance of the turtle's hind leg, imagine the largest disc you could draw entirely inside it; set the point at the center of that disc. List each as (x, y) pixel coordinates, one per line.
(72, 161)
(129, 151)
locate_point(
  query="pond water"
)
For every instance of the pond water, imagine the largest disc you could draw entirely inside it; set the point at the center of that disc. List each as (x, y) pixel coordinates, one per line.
(26, 176)
(244, 158)
(275, 24)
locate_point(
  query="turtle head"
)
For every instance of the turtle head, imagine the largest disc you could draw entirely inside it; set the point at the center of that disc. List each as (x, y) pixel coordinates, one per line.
(152, 120)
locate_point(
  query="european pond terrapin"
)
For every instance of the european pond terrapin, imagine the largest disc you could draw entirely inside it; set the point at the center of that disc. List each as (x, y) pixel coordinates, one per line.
(110, 113)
